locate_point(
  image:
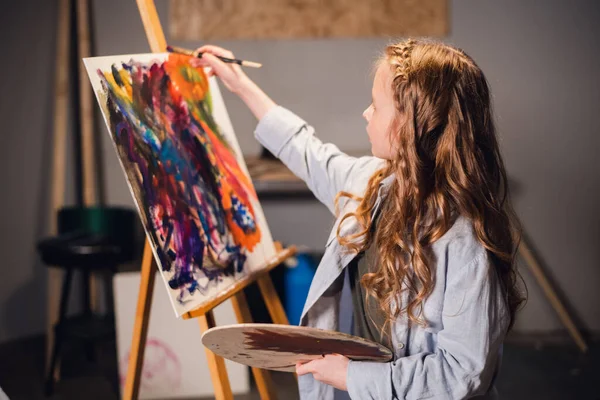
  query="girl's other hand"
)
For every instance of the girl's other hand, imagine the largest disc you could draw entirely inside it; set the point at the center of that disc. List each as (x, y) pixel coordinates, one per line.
(331, 369)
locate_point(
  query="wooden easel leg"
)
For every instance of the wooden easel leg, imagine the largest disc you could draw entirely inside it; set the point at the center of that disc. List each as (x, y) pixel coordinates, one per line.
(261, 376)
(154, 32)
(267, 290)
(551, 295)
(86, 125)
(140, 328)
(272, 301)
(61, 105)
(216, 364)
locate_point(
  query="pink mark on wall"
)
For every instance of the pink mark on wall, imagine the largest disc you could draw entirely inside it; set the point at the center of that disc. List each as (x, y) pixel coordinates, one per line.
(161, 371)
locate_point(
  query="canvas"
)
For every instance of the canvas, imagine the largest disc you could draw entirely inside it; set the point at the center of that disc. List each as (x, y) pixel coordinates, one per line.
(175, 364)
(181, 159)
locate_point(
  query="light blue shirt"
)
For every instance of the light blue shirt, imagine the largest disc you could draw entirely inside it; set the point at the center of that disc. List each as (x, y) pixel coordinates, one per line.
(457, 355)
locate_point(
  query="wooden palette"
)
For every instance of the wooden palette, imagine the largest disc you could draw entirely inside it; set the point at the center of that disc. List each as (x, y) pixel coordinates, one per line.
(280, 347)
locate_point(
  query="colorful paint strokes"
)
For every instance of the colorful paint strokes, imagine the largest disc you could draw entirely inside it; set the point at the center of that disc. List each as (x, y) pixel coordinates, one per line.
(192, 190)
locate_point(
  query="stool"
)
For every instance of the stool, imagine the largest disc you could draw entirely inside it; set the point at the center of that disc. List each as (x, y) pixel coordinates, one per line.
(90, 240)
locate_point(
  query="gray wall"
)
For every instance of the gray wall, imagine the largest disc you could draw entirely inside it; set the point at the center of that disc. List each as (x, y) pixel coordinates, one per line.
(25, 109)
(540, 60)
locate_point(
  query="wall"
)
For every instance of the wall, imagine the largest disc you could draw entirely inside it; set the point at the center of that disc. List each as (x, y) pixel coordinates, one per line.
(26, 109)
(541, 62)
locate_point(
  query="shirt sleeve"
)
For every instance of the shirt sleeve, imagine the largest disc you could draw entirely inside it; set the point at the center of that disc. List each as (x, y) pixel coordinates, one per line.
(325, 169)
(475, 321)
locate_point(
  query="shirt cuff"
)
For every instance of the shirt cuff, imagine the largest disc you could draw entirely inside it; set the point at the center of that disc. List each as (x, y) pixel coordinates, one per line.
(368, 380)
(277, 127)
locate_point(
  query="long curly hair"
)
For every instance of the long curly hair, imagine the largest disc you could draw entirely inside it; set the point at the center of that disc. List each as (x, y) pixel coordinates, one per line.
(446, 164)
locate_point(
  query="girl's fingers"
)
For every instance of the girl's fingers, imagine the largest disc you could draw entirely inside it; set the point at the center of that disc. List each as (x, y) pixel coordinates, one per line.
(211, 62)
(213, 56)
(303, 369)
(231, 75)
(218, 66)
(198, 62)
(218, 51)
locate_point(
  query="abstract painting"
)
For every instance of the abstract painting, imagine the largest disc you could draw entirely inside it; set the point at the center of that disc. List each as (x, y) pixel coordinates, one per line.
(181, 159)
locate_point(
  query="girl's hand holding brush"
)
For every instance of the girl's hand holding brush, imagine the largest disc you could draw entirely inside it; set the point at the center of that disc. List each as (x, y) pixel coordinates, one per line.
(234, 78)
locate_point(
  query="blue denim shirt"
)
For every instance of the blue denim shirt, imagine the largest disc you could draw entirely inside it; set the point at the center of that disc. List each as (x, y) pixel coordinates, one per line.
(457, 355)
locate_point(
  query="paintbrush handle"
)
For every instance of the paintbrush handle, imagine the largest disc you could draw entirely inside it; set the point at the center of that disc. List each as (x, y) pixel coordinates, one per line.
(190, 53)
(244, 63)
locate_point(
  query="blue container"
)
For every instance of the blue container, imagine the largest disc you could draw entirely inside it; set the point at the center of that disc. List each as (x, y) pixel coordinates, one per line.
(297, 277)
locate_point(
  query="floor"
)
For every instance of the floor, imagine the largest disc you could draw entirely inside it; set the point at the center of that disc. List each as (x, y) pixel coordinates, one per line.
(532, 369)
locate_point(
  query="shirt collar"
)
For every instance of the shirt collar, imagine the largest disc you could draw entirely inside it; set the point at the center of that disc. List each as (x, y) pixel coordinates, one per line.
(385, 184)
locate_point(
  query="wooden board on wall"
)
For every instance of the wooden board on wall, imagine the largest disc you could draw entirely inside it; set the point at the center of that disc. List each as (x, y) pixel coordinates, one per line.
(288, 19)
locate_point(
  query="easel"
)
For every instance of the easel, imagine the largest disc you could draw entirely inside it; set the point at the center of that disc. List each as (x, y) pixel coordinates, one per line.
(551, 295)
(60, 127)
(204, 314)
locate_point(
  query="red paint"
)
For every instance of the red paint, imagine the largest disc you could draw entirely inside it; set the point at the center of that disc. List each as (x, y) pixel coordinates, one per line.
(289, 342)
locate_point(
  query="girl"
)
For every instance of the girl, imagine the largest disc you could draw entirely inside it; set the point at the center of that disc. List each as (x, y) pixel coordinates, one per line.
(424, 227)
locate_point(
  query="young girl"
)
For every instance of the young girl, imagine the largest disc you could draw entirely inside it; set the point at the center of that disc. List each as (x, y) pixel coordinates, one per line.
(423, 227)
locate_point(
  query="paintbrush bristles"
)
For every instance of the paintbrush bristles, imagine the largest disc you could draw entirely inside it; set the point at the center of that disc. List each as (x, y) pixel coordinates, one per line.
(180, 50)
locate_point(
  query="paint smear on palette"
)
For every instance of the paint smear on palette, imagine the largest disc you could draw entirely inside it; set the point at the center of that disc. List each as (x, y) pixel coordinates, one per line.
(161, 371)
(195, 200)
(288, 342)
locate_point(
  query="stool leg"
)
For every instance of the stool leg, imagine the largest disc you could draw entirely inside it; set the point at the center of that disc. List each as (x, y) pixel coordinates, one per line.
(87, 311)
(108, 291)
(87, 301)
(110, 315)
(58, 336)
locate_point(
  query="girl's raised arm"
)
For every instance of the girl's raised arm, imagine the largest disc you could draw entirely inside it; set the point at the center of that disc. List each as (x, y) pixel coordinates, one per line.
(325, 169)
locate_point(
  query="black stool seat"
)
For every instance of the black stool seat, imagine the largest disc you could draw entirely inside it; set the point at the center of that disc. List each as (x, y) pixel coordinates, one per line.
(82, 250)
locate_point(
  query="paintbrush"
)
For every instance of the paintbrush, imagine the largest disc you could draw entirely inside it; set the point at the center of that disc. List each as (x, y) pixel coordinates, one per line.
(243, 63)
